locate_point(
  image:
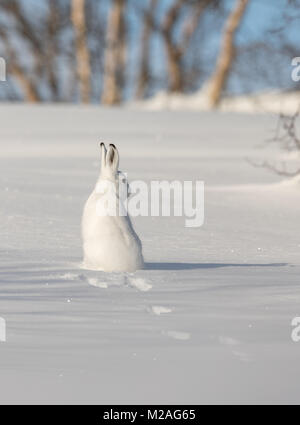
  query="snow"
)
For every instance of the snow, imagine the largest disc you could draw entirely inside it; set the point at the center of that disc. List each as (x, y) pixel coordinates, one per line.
(261, 102)
(209, 318)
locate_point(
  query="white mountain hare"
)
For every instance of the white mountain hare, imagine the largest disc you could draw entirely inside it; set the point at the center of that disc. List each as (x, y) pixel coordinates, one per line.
(110, 243)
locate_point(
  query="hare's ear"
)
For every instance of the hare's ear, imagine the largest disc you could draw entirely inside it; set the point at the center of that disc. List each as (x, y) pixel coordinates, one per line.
(103, 155)
(112, 157)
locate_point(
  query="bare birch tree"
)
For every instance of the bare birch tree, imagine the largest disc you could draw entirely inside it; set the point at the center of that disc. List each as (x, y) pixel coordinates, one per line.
(38, 77)
(176, 50)
(175, 82)
(82, 51)
(25, 81)
(144, 71)
(227, 53)
(115, 54)
(52, 48)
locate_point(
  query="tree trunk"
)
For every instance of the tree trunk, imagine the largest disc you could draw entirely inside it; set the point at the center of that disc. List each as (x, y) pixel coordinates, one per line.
(174, 67)
(175, 83)
(52, 49)
(82, 51)
(115, 55)
(227, 53)
(144, 72)
(176, 50)
(29, 90)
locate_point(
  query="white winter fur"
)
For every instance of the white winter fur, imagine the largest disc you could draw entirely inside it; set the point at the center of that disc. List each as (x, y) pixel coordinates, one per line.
(109, 242)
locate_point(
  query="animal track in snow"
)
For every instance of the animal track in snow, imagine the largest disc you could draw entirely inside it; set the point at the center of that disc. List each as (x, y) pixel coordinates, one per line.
(70, 276)
(118, 280)
(234, 344)
(139, 284)
(96, 282)
(183, 336)
(105, 281)
(225, 340)
(158, 310)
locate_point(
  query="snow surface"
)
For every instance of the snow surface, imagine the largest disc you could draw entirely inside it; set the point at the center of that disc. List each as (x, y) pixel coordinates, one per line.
(207, 321)
(261, 102)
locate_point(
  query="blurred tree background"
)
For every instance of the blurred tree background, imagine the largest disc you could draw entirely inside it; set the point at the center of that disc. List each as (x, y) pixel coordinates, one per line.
(111, 51)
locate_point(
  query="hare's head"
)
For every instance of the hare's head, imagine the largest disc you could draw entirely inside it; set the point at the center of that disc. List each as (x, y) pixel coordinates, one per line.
(109, 168)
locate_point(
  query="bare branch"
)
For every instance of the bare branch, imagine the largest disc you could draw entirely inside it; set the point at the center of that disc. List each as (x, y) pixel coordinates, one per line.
(275, 169)
(286, 136)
